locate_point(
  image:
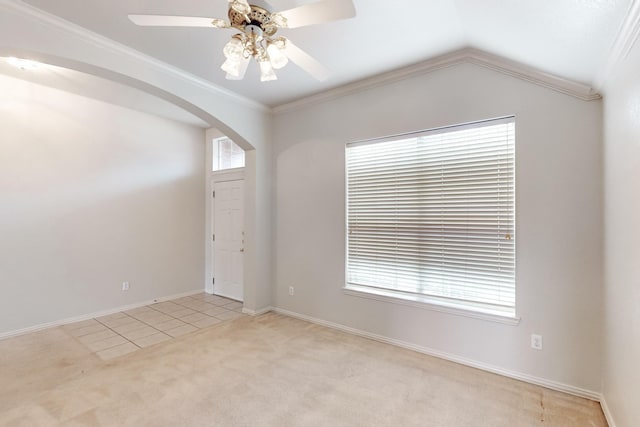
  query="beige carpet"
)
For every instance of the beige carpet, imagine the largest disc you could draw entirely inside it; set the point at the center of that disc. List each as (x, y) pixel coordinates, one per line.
(266, 371)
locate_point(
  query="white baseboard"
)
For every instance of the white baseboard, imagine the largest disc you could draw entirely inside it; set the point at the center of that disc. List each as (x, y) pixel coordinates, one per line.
(257, 312)
(607, 412)
(88, 316)
(554, 385)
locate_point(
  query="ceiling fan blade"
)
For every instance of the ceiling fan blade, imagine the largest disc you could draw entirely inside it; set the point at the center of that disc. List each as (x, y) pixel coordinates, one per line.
(319, 12)
(171, 21)
(239, 1)
(303, 60)
(240, 6)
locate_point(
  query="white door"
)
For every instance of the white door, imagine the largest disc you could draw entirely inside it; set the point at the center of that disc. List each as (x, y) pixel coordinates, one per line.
(228, 239)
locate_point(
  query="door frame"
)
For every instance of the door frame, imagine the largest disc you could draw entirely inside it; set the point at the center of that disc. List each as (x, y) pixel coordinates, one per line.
(211, 178)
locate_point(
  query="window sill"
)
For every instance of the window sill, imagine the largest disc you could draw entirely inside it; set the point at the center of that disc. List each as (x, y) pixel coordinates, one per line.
(229, 171)
(427, 303)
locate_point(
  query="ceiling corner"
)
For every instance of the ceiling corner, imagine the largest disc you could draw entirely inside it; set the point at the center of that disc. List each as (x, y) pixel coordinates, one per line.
(625, 39)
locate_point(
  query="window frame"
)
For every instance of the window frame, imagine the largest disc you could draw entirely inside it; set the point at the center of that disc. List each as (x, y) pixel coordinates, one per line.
(215, 155)
(425, 301)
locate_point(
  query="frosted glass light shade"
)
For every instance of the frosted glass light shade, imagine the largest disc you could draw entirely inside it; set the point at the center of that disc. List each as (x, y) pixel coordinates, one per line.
(232, 67)
(241, 68)
(277, 56)
(233, 49)
(266, 72)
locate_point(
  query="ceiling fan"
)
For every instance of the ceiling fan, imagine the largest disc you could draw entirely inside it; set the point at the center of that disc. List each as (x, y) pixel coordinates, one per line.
(256, 38)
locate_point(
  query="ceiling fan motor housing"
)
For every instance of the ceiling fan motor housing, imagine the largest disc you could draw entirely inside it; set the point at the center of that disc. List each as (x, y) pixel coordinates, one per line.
(258, 16)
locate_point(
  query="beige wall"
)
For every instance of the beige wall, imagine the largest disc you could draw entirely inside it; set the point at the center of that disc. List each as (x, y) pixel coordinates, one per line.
(25, 32)
(621, 373)
(93, 195)
(559, 221)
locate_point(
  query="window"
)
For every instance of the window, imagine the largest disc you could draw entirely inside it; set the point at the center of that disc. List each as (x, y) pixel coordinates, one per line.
(227, 155)
(431, 217)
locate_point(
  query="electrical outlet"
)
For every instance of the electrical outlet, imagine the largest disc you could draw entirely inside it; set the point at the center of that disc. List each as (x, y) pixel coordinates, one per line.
(292, 291)
(125, 286)
(536, 342)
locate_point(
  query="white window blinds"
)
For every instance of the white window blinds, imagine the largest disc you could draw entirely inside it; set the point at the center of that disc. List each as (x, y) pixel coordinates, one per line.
(227, 154)
(433, 214)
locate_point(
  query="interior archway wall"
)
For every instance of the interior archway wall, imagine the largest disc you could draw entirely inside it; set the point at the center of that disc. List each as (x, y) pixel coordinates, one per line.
(29, 33)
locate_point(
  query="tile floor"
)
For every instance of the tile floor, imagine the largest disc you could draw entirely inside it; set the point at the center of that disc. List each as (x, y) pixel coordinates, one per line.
(121, 333)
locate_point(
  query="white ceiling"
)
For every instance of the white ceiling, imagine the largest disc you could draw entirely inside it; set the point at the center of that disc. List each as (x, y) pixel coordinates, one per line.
(569, 38)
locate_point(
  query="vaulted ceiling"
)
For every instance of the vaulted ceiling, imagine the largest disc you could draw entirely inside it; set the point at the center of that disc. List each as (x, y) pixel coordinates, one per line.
(569, 38)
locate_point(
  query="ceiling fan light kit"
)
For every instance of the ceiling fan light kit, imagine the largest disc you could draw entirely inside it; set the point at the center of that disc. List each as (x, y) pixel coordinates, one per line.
(256, 39)
(266, 71)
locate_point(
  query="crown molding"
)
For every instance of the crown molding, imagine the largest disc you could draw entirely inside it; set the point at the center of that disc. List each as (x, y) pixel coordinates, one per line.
(532, 75)
(466, 55)
(24, 9)
(625, 39)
